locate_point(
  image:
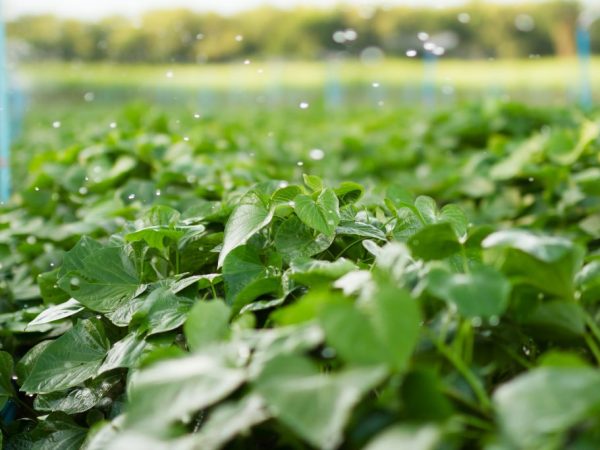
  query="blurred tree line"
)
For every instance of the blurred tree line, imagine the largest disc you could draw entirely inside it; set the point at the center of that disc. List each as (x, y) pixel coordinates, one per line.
(476, 30)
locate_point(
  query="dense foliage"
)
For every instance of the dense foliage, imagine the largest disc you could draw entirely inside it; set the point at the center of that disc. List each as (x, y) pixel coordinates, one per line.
(475, 30)
(165, 292)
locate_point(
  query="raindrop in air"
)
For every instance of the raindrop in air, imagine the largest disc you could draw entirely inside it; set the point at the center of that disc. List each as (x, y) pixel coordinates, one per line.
(316, 154)
(299, 163)
(524, 22)
(131, 196)
(169, 74)
(56, 124)
(304, 105)
(113, 125)
(375, 84)
(247, 61)
(89, 96)
(423, 36)
(239, 38)
(464, 17)
(411, 53)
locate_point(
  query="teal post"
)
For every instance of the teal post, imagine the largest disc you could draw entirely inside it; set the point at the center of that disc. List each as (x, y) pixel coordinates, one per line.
(4, 116)
(584, 53)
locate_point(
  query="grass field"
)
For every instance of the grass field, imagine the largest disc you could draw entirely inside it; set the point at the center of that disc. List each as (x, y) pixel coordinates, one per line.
(278, 81)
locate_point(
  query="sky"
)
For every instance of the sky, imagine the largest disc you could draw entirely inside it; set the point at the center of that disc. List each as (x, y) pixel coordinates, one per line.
(93, 9)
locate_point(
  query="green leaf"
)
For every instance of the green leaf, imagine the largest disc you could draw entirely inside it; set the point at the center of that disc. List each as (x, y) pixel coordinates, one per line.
(58, 312)
(103, 280)
(322, 215)
(245, 221)
(566, 155)
(349, 192)
(546, 402)
(78, 399)
(313, 182)
(433, 242)
(314, 405)
(385, 332)
(360, 229)
(548, 263)
(246, 277)
(124, 353)
(295, 240)
(182, 386)
(162, 311)
(207, 322)
(69, 360)
(425, 437)
(483, 292)
(6, 373)
(155, 236)
(230, 420)
(312, 271)
(556, 320)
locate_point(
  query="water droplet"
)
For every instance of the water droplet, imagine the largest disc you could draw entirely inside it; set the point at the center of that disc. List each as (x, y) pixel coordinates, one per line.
(439, 51)
(530, 179)
(157, 192)
(328, 353)
(339, 37)
(239, 38)
(316, 154)
(14, 377)
(131, 196)
(380, 103)
(494, 321)
(429, 46)
(74, 282)
(476, 322)
(292, 204)
(526, 350)
(246, 62)
(113, 125)
(464, 17)
(350, 34)
(56, 124)
(83, 190)
(31, 240)
(299, 163)
(304, 105)
(411, 53)
(186, 138)
(196, 116)
(199, 36)
(169, 74)
(524, 23)
(52, 264)
(89, 96)
(283, 184)
(375, 84)
(422, 36)
(36, 189)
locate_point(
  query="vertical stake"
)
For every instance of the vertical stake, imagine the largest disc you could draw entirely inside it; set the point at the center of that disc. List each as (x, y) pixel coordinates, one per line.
(4, 117)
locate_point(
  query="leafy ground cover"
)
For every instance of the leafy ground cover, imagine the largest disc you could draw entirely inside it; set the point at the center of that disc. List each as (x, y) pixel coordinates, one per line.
(415, 282)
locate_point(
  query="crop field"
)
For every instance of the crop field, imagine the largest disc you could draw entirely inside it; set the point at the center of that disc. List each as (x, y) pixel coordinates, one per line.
(300, 277)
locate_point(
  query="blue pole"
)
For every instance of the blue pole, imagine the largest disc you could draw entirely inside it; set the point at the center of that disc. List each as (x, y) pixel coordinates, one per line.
(429, 63)
(584, 54)
(4, 117)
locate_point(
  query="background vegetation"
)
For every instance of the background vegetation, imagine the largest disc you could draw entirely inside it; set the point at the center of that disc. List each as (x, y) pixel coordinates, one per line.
(476, 30)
